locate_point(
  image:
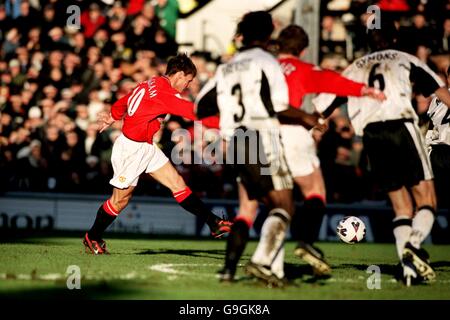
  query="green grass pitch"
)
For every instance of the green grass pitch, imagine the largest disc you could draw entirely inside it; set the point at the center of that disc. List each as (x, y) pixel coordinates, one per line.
(186, 269)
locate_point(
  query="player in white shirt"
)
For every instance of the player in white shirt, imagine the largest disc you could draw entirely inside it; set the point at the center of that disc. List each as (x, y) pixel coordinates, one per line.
(438, 141)
(252, 97)
(394, 145)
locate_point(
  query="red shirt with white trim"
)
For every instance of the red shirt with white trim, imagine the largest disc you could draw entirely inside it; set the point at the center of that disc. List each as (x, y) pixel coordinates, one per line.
(143, 109)
(304, 78)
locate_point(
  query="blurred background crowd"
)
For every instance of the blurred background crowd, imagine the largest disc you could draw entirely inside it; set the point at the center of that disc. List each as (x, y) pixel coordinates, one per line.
(56, 78)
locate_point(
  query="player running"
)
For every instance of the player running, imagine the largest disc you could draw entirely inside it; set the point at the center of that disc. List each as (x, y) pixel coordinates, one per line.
(393, 141)
(142, 111)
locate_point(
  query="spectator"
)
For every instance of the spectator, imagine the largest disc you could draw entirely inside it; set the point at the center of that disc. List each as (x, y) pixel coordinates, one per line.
(91, 20)
(444, 39)
(167, 12)
(33, 167)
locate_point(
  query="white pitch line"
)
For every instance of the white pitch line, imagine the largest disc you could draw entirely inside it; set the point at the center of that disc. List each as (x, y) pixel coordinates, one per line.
(170, 269)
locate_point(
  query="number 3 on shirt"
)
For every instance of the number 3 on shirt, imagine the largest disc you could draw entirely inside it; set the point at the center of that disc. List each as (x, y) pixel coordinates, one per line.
(236, 91)
(135, 100)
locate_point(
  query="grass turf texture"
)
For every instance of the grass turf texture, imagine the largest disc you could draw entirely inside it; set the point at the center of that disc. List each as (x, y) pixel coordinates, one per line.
(186, 269)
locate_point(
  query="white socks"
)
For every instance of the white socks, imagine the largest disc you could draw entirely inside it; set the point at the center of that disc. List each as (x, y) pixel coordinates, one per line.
(269, 251)
(422, 224)
(402, 232)
(413, 230)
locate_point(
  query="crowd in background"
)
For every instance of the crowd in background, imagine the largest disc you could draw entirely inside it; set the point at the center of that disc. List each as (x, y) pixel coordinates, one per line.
(55, 79)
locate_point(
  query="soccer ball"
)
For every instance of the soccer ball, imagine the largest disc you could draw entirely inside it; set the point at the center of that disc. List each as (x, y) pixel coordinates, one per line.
(351, 229)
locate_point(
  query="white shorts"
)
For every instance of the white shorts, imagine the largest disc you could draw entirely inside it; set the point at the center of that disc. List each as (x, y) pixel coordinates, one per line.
(300, 150)
(130, 158)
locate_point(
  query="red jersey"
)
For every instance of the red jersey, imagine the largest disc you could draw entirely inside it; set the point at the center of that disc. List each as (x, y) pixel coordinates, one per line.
(303, 78)
(143, 109)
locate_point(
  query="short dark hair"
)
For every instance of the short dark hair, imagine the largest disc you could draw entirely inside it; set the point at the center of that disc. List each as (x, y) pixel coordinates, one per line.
(293, 39)
(255, 26)
(384, 37)
(181, 62)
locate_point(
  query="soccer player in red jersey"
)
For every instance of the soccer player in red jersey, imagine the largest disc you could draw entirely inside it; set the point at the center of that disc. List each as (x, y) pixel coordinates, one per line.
(142, 111)
(305, 78)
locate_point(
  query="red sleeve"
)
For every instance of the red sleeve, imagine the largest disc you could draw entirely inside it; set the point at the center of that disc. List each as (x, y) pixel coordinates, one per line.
(119, 108)
(327, 81)
(178, 106)
(211, 122)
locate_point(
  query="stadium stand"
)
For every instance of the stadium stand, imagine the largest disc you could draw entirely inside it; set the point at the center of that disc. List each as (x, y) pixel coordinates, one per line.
(54, 79)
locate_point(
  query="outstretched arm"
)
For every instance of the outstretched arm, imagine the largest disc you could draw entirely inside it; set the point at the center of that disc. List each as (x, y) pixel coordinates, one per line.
(317, 80)
(297, 116)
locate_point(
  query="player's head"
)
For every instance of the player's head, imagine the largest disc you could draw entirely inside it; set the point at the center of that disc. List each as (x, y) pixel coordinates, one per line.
(384, 37)
(180, 70)
(255, 28)
(293, 40)
(181, 62)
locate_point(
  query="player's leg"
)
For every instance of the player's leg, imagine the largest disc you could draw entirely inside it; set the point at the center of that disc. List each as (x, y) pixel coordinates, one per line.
(168, 176)
(307, 224)
(309, 220)
(425, 198)
(403, 209)
(419, 177)
(239, 234)
(301, 157)
(129, 159)
(422, 224)
(106, 215)
(267, 259)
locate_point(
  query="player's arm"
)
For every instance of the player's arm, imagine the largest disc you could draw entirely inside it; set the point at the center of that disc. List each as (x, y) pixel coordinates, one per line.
(206, 107)
(274, 82)
(297, 116)
(326, 103)
(118, 110)
(206, 101)
(428, 82)
(336, 103)
(177, 106)
(327, 81)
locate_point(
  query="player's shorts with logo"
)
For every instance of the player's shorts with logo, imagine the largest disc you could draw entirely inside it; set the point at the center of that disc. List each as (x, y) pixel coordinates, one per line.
(396, 152)
(300, 150)
(259, 162)
(130, 158)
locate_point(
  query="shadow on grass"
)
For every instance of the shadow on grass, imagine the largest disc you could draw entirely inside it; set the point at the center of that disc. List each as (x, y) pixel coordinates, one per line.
(212, 254)
(99, 290)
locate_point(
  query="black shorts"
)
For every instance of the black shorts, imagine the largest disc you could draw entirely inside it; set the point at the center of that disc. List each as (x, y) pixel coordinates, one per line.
(440, 162)
(396, 153)
(257, 158)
